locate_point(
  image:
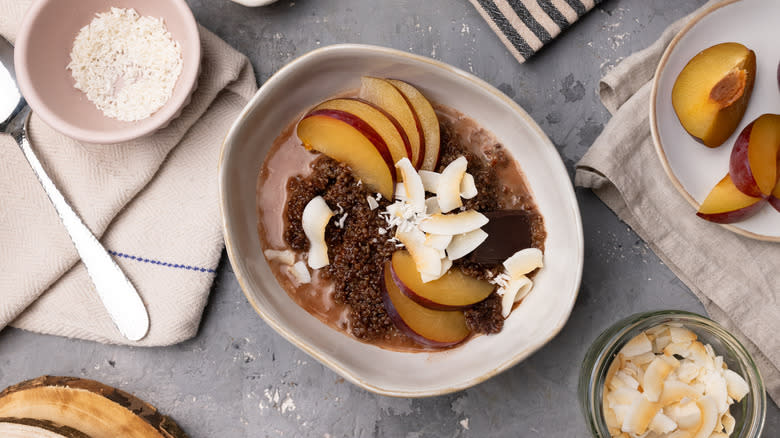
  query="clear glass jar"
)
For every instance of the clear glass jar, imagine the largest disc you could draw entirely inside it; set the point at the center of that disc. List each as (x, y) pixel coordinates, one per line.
(749, 413)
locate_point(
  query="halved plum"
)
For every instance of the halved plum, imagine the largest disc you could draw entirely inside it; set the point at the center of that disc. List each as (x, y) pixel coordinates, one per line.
(712, 91)
(435, 328)
(348, 139)
(454, 290)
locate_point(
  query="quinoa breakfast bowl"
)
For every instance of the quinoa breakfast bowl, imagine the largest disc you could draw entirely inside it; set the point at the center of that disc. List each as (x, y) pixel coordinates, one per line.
(367, 291)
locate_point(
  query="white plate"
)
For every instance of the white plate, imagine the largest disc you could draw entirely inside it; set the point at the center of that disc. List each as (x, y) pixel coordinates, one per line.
(326, 72)
(694, 168)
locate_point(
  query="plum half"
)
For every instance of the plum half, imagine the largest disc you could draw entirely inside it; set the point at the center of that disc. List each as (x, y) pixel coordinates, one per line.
(712, 91)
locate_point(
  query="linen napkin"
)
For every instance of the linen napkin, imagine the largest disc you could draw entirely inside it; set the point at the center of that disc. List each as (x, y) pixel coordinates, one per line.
(524, 26)
(736, 278)
(153, 203)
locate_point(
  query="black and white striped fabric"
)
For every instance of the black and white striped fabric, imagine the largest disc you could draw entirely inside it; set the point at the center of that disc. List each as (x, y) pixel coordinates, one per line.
(524, 26)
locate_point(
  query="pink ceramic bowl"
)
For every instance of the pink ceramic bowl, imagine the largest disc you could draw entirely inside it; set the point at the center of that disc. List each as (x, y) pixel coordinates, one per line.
(42, 52)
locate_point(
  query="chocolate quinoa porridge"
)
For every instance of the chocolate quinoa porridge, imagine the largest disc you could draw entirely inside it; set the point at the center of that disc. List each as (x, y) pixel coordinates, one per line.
(347, 293)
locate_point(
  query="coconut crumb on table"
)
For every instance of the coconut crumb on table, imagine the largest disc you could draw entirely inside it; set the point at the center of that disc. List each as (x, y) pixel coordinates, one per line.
(126, 64)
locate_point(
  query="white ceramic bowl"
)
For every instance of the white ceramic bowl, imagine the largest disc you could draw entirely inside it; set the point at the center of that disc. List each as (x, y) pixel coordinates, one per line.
(328, 71)
(42, 54)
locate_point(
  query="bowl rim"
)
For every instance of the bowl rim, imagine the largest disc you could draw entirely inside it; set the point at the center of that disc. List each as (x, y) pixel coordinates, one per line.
(655, 131)
(290, 335)
(168, 112)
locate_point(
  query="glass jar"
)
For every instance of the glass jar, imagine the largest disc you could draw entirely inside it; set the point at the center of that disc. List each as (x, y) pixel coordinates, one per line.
(749, 413)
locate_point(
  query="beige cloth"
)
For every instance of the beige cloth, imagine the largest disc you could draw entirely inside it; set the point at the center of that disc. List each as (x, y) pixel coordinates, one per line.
(154, 199)
(736, 278)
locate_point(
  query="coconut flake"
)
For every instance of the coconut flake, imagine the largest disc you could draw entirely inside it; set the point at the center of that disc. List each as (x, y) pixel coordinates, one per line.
(426, 259)
(662, 424)
(675, 390)
(687, 371)
(655, 375)
(372, 203)
(342, 220)
(468, 188)
(446, 264)
(430, 180)
(400, 192)
(681, 334)
(709, 416)
(639, 344)
(432, 206)
(448, 189)
(524, 261)
(314, 220)
(301, 272)
(464, 244)
(716, 388)
(687, 415)
(453, 224)
(639, 416)
(285, 257)
(513, 292)
(736, 386)
(413, 185)
(728, 422)
(438, 241)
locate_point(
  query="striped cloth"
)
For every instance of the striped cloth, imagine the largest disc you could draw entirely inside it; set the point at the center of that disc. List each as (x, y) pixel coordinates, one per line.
(524, 26)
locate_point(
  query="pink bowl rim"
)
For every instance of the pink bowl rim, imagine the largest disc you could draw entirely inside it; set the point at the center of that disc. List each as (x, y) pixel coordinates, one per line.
(133, 130)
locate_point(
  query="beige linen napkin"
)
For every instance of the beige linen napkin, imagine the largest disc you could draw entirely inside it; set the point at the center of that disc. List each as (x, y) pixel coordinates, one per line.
(736, 278)
(154, 201)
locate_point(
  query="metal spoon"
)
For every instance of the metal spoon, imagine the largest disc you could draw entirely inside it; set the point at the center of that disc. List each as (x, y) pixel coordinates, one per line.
(122, 301)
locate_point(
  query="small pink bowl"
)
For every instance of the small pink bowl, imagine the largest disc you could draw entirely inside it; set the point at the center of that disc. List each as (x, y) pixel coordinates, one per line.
(42, 52)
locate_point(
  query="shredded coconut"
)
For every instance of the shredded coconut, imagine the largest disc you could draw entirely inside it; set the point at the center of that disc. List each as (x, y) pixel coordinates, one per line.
(126, 64)
(341, 221)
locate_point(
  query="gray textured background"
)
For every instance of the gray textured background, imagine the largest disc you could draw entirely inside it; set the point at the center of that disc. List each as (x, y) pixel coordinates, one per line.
(238, 378)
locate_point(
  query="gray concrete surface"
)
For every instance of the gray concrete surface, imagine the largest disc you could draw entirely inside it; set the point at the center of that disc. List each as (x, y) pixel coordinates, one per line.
(238, 378)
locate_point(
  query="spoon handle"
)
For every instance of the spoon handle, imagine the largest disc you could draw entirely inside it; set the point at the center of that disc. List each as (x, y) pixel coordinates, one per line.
(120, 298)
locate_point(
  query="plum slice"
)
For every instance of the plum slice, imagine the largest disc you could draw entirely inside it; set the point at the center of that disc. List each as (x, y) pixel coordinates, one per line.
(726, 204)
(434, 328)
(383, 123)
(386, 96)
(753, 163)
(429, 122)
(454, 290)
(347, 138)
